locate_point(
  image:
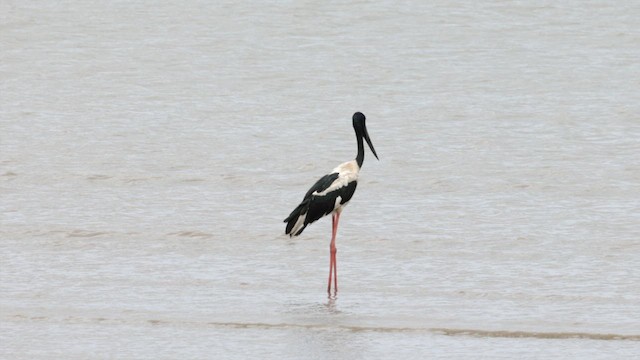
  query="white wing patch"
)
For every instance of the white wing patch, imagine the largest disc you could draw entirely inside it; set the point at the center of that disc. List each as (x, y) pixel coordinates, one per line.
(347, 172)
(299, 224)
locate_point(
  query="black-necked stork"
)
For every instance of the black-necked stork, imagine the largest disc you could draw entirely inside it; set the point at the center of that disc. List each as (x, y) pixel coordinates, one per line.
(330, 194)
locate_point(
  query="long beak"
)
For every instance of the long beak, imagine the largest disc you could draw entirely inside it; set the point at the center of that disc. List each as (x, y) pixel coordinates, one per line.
(366, 137)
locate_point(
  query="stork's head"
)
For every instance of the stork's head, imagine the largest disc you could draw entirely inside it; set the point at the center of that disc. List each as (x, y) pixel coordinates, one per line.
(361, 130)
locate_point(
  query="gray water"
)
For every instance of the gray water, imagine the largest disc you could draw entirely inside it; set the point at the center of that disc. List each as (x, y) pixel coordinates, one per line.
(149, 152)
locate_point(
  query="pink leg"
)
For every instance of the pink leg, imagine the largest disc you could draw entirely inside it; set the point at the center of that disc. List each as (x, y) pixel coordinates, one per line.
(333, 266)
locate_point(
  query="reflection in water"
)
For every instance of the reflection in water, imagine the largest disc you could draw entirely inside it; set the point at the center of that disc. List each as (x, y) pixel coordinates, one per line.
(331, 304)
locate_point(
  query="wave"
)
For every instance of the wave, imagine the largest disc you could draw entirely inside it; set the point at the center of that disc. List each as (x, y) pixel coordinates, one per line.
(480, 333)
(534, 334)
(85, 233)
(445, 331)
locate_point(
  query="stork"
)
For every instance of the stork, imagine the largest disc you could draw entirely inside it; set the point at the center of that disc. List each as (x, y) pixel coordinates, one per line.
(329, 195)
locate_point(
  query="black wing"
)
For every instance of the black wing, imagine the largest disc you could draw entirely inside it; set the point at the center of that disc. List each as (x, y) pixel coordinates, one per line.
(322, 184)
(313, 207)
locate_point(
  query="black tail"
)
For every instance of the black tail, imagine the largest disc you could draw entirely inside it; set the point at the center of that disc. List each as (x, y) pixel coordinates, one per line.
(297, 220)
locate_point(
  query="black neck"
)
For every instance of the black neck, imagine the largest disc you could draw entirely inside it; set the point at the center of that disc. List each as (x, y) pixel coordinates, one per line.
(360, 157)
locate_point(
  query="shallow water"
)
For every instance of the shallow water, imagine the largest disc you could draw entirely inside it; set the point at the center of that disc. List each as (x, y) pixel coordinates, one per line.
(149, 153)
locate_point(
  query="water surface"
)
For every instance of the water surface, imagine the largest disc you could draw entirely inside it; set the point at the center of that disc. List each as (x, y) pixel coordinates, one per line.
(149, 153)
